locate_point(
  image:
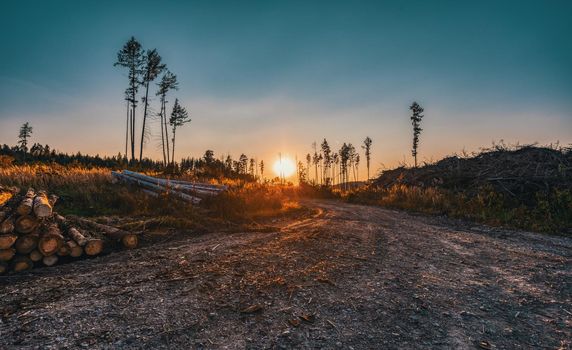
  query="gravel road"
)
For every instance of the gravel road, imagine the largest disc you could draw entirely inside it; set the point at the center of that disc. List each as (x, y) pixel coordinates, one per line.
(350, 276)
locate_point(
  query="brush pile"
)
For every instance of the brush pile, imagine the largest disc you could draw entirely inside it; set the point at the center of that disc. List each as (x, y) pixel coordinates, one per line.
(519, 172)
(190, 192)
(32, 234)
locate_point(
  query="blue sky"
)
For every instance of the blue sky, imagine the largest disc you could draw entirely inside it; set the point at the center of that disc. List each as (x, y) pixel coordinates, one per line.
(263, 77)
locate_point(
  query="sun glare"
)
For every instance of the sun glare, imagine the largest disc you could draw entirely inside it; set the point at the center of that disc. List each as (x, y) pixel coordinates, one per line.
(284, 167)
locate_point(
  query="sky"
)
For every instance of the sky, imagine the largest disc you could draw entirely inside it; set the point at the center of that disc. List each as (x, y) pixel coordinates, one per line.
(263, 77)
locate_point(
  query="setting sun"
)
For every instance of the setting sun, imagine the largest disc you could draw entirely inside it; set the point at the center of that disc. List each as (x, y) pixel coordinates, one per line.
(284, 167)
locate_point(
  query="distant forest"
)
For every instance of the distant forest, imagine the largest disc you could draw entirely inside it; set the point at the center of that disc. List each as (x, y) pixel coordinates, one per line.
(207, 166)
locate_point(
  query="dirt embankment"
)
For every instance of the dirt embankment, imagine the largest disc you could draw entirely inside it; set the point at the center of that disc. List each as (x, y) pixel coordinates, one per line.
(351, 277)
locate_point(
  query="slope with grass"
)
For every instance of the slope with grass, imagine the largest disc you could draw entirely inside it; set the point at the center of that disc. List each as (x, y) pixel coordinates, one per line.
(525, 187)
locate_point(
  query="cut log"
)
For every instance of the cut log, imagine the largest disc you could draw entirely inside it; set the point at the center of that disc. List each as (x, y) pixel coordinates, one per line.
(50, 241)
(93, 247)
(7, 225)
(3, 267)
(21, 263)
(177, 183)
(155, 187)
(42, 207)
(50, 260)
(25, 244)
(4, 213)
(7, 254)
(167, 185)
(64, 250)
(52, 199)
(73, 232)
(77, 236)
(75, 249)
(36, 256)
(128, 239)
(26, 224)
(26, 205)
(7, 240)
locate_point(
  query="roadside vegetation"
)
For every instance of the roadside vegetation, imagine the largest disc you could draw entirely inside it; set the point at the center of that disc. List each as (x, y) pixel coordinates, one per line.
(523, 187)
(90, 191)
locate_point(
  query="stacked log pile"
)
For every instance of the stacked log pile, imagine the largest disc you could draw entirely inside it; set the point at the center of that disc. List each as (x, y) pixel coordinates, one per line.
(190, 192)
(32, 234)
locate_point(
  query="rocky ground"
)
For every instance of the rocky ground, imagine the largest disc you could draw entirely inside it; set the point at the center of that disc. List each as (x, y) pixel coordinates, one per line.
(352, 277)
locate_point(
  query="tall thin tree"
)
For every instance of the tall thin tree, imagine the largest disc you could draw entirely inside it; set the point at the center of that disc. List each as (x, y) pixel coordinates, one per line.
(316, 161)
(151, 70)
(179, 117)
(131, 57)
(327, 152)
(367, 148)
(24, 135)
(416, 117)
(168, 82)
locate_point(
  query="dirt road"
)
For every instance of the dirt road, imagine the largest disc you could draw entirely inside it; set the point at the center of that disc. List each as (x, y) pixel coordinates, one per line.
(349, 277)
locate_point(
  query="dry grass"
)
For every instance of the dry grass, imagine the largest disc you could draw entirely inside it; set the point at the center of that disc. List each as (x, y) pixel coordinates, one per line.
(90, 192)
(552, 212)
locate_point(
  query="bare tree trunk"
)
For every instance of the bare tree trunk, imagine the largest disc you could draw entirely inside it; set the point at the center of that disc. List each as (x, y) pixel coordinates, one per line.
(167, 135)
(127, 130)
(144, 120)
(162, 130)
(173, 156)
(133, 132)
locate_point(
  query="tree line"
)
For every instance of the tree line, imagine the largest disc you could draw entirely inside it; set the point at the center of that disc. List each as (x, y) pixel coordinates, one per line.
(330, 167)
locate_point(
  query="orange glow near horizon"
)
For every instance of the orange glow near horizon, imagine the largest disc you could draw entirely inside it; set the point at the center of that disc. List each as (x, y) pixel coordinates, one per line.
(284, 167)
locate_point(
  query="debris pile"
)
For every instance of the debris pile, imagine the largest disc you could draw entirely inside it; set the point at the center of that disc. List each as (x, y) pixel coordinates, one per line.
(190, 192)
(519, 172)
(32, 234)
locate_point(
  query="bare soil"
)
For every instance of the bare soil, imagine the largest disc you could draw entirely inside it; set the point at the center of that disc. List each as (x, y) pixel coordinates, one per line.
(350, 276)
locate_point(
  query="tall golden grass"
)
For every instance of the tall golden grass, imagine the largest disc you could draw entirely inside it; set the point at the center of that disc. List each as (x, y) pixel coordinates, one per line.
(54, 176)
(91, 192)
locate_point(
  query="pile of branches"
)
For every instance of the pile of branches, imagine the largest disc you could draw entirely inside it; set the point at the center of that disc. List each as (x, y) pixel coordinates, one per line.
(518, 172)
(32, 234)
(191, 192)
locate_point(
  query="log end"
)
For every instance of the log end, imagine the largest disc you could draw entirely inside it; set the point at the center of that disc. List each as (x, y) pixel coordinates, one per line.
(7, 240)
(21, 263)
(50, 260)
(43, 210)
(130, 241)
(94, 247)
(7, 254)
(26, 224)
(36, 256)
(49, 244)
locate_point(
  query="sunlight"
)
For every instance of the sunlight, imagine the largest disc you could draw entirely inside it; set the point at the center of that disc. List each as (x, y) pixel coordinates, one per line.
(284, 167)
